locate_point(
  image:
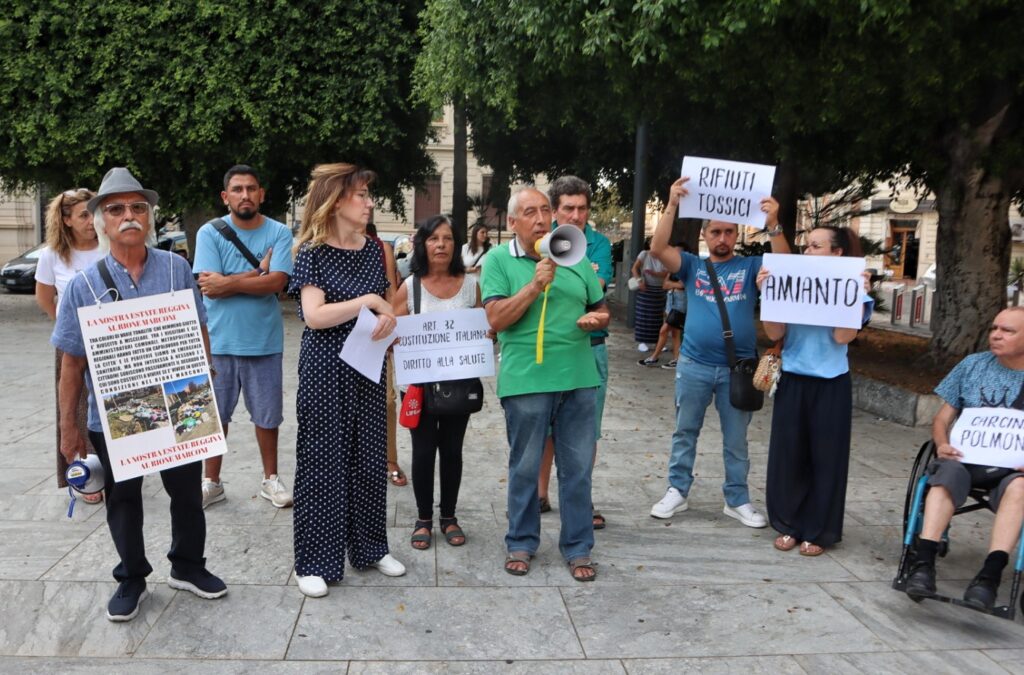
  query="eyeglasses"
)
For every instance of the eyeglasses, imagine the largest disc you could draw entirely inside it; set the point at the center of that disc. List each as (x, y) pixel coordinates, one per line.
(117, 210)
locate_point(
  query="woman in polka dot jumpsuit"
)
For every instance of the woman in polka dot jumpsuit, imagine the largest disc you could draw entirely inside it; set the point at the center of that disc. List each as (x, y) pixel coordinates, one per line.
(340, 473)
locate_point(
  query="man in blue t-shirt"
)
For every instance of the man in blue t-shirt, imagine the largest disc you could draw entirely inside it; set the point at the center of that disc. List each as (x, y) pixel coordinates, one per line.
(992, 379)
(246, 328)
(703, 368)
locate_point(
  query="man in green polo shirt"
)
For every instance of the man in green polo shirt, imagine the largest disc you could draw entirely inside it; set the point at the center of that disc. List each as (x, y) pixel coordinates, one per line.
(560, 392)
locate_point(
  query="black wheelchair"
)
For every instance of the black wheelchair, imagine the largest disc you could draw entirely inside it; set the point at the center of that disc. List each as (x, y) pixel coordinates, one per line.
(913, 516)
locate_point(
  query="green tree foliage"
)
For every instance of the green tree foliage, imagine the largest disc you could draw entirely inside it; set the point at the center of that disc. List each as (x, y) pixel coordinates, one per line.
(831, 91)
(180, 91)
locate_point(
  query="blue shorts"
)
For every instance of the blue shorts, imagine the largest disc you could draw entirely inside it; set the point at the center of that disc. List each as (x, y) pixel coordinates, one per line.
(259, 379)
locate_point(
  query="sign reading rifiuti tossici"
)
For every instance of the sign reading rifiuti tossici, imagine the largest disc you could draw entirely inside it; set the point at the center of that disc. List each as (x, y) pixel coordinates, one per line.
(439, 346)
(815, 290)
(152, 383)
(990, 437)
(727, 191)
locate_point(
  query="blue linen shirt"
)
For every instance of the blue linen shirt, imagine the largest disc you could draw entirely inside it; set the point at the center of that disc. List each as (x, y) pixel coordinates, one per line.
(702, 333)
(813, 351)
(161, 272)
(242, 324)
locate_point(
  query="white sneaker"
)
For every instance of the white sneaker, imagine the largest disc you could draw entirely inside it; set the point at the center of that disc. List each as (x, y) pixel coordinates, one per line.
(212, 492)
(642, 347)
(274, 490)
(672, 503)
(388, 566)
(314, 587)
(746, 514)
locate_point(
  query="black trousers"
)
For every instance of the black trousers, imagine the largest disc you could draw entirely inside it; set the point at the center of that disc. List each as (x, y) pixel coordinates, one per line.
(124, 517)
(437, 435)
(809, 457)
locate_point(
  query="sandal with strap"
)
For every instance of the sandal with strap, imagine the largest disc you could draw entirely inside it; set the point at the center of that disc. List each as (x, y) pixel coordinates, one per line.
(518, 558)
(545, 505)
(599, 520)
(785, 542)
(810, 549)
(396, 475)
(583, 564)
(453, 534)
(421, 541)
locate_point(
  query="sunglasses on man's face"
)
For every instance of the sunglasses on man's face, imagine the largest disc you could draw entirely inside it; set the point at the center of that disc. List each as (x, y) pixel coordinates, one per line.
(117, 210)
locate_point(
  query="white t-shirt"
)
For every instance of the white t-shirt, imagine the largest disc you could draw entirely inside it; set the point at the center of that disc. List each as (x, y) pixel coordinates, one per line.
(53, 271)
(472, 259)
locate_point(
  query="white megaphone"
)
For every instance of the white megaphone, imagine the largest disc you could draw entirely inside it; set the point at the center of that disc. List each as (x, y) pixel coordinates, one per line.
(85, 476)
(565, 245)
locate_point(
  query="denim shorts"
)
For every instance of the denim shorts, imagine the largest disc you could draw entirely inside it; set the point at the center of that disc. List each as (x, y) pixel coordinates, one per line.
(259, 379)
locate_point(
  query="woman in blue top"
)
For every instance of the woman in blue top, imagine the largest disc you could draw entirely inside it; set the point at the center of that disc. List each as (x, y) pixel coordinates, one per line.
(809, 450)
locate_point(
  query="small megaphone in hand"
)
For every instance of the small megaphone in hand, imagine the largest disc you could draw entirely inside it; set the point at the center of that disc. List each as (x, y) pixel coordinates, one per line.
(565, 245)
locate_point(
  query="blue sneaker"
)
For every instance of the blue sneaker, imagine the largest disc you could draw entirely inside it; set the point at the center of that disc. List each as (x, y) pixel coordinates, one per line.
(124, 604)
(199, 582)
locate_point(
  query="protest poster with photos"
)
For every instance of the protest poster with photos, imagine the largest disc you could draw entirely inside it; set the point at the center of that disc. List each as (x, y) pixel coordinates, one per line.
(720, 189)
(152, 383)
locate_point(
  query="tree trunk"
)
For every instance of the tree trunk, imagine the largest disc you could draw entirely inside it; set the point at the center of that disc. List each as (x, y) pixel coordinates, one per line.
(972, 258)
(459, 170)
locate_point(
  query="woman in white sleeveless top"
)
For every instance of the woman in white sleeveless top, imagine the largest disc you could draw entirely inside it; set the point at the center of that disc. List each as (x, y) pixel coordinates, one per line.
(71, 246)
(444, 285)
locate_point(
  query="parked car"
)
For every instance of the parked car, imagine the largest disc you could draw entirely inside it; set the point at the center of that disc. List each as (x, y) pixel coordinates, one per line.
(174, 241)
(19, 274)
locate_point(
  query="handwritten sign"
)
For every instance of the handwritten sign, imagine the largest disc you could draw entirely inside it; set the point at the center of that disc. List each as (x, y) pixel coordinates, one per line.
(151, 380)
(813, 290)
(727, 191)
(441, 346)
(990, 437)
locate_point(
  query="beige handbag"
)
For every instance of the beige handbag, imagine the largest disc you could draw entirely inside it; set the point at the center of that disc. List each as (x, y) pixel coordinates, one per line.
(769, 368)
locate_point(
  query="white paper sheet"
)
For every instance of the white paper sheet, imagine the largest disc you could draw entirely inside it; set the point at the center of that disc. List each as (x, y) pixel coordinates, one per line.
(362, 352)
(441, 346)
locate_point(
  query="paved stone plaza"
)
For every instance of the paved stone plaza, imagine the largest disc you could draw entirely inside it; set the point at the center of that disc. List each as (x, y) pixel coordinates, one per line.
(697, 593)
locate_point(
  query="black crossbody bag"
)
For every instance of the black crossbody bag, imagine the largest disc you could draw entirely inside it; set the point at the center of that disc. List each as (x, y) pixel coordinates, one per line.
(742, 394)
(229, 233)
(451, 397)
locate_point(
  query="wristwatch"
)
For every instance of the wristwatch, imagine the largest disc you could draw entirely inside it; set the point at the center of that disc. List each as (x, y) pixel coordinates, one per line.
(775, 232)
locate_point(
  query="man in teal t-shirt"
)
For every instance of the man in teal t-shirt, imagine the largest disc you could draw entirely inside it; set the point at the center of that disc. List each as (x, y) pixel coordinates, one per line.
(246, 328)
(558, 393)
(570, 203)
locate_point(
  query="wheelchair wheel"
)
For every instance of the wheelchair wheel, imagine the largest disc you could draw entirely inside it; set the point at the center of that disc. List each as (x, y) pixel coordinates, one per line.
(924, 457)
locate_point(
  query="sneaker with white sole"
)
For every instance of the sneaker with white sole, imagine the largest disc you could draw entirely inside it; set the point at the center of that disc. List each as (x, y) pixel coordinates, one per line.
(313, 587)
(746, 514)
(275, 490)
(212, 492)
(124, 604)
(672, 503)
(388, 566)
(198, 582)
(671, 365)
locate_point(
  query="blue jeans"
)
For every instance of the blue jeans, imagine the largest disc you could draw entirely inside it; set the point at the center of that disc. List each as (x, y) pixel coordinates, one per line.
(570, 417)
(695, 385)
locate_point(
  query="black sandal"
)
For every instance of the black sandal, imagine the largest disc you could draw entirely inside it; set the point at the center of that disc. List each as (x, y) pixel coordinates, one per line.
(451, 530)
(421, 538)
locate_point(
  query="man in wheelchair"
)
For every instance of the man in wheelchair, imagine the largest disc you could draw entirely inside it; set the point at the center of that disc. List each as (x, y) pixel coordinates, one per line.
(992, 379)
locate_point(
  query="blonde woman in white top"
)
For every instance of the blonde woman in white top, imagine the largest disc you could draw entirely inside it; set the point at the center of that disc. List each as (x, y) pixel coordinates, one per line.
(71, 246)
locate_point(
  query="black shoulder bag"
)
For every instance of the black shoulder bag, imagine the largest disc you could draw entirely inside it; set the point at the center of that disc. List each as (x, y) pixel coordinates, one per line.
(229, 233)
(451, 397)
(742, 394)
(101, 267)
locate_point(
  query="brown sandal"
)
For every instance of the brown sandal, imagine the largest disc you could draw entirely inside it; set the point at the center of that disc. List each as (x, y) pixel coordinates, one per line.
(518, 558)
(810, 549)
(582, 564)
(785, 542)
(396, 475)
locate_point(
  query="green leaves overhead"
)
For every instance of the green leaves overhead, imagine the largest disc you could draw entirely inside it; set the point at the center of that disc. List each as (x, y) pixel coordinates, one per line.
(180, 91)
